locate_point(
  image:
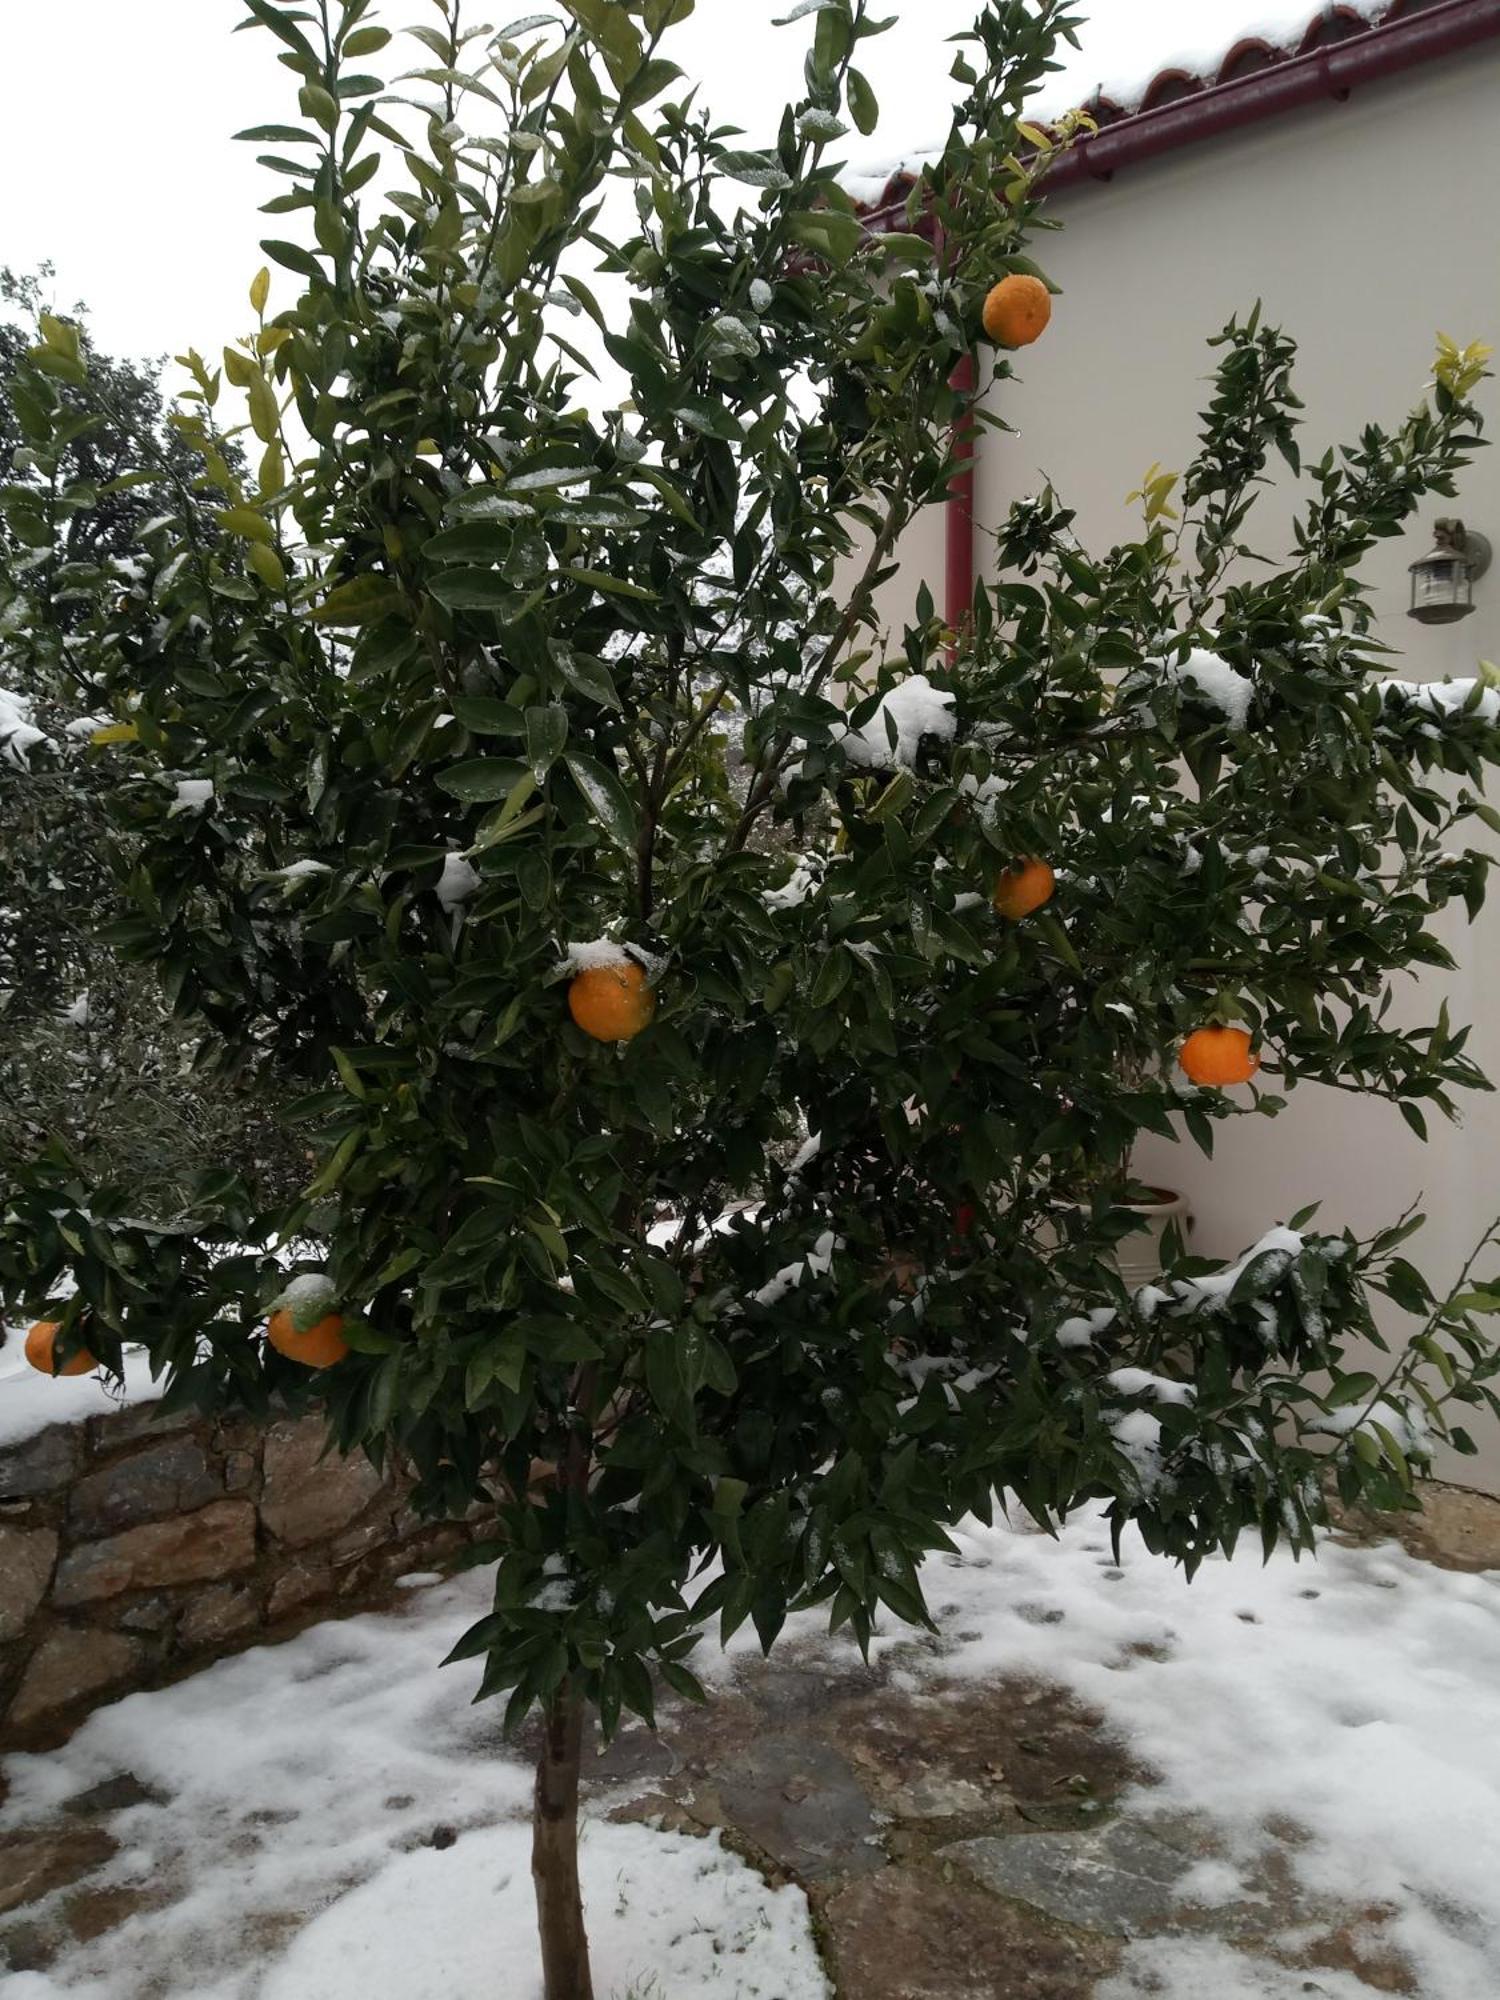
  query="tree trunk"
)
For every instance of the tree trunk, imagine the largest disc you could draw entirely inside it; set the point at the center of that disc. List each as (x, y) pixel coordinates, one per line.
(554, 1852)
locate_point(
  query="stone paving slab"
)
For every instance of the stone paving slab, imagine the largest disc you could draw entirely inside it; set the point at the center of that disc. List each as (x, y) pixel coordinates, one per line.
(1118, 1880)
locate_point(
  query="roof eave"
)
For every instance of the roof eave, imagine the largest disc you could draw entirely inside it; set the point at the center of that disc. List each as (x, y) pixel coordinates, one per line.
(1322, 75)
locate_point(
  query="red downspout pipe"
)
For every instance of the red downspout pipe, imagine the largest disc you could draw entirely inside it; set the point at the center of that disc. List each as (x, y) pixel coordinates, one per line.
(958, 590)
(1321, 74)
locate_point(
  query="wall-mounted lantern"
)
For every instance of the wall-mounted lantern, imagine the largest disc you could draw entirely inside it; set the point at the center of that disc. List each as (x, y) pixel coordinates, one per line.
(1442, 582)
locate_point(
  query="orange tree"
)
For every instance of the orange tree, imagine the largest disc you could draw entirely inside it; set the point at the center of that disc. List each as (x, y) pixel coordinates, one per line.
(700, 1019)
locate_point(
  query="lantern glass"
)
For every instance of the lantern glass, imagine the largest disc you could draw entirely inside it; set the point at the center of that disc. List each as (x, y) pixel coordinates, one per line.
(1441, 588)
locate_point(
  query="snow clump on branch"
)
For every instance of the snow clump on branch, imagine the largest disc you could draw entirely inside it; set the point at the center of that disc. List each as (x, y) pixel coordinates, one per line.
(912, 709)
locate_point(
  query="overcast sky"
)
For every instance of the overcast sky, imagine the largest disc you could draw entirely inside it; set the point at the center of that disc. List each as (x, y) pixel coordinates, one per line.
(115, 119)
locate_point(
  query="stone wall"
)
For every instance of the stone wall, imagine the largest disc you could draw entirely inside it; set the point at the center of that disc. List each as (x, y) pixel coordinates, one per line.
(134, 1545)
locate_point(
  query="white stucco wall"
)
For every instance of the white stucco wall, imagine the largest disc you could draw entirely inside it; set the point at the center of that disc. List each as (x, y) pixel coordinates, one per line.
(920, 559)
(1363, 229)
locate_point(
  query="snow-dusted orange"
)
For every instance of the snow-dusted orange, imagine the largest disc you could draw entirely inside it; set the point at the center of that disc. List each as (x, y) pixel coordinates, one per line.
(1024, 888)
(41, 1351)
(612, 1002)
(1219, 1056)
(321, 1346)
(1017, 310)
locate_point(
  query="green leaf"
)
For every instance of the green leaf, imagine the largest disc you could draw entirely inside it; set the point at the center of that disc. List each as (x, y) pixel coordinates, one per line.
(60, 335)
(246, 523)
(471, 541)
(487, 715)
(399, 1265)
(762, 170)
(675, 498)
(473, 590)
(834, 975)
(546, 733)
(894, 797)
(510, 820)
(828, 231)
(606, 796)
(52, 361)
(294, 258)
(278, 135)
(365, 41)
(282, 26)
(1058, 938)
(654, 77)
(336, 1168)
(267, 566)
(348, 1074)
(863, 107)
(360, 601)
(779, 988)
(366, 1339)
(1475, 1302)
(1355, 1388)
(613, 586)
(317, 104)
(479, 780)
(586, 675)
(265, 416)
(545, 189)
(678, 1678)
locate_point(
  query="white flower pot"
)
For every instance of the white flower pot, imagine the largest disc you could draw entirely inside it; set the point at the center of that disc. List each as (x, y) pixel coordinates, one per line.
(1137, 1257)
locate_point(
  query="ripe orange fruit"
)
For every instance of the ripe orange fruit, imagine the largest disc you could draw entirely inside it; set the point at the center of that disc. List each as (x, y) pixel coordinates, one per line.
(1017, 311)
(612, 1002)
(1024, 888)
(41, 1351)
(321, 1346)
(1219, 1056)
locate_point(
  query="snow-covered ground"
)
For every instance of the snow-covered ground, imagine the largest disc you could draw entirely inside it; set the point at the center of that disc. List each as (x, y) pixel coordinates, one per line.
(309, 1778)
(1358, 1697)
(29, 1401)
(669, 1916)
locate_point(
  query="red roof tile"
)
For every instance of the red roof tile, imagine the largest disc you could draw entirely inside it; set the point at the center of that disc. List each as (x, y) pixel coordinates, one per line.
(1330, 25)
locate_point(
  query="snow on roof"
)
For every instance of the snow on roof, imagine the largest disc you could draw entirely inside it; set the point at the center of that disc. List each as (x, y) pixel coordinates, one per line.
(1135, 57)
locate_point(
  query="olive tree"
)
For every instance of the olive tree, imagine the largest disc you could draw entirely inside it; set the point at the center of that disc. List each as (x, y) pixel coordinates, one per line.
(88, 1050)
